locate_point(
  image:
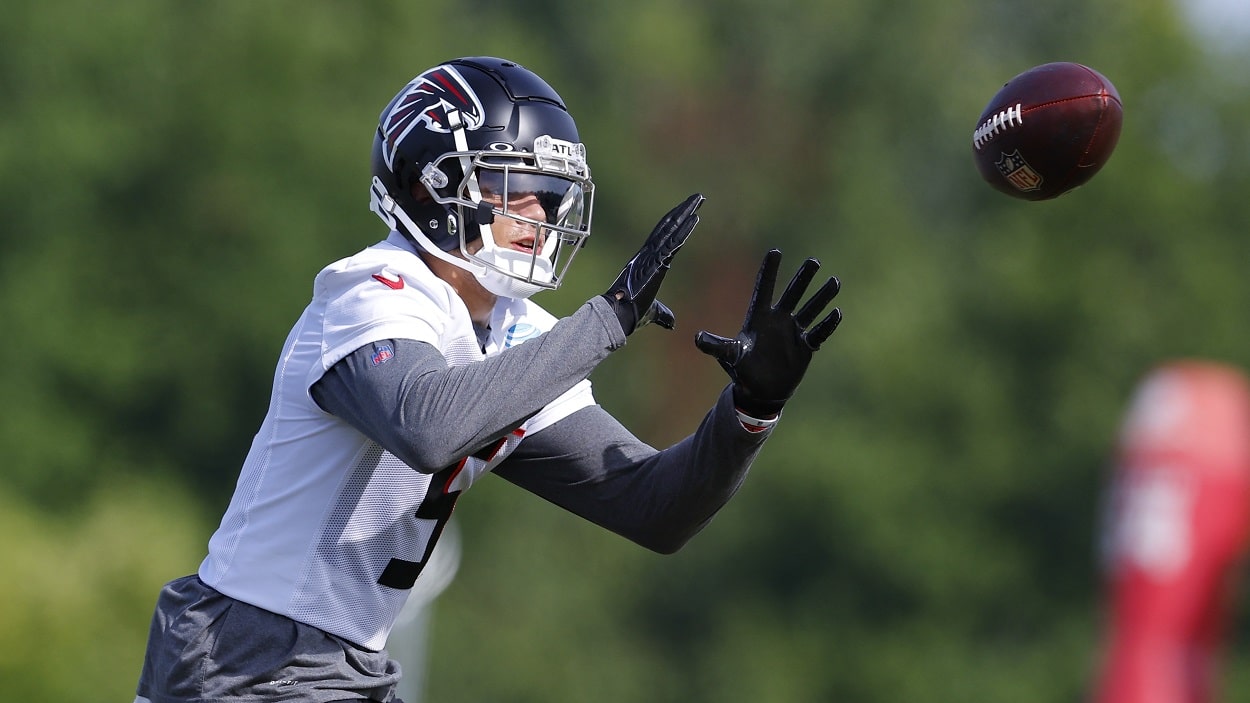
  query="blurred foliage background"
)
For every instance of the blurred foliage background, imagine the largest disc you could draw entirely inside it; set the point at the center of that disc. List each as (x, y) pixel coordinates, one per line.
(922, 525)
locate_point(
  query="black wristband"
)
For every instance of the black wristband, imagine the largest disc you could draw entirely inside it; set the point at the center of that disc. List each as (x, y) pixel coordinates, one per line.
(756, 407)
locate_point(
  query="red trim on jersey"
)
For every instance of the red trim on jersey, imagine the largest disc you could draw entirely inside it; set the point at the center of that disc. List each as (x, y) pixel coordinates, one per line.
(392, 284)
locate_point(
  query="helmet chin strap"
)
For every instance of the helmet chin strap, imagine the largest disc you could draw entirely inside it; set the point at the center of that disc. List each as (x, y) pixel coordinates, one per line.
(493, 281)
(391, 213)
(506, 286)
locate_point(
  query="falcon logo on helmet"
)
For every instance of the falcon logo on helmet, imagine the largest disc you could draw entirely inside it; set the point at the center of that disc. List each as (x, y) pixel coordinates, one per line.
(427, 101)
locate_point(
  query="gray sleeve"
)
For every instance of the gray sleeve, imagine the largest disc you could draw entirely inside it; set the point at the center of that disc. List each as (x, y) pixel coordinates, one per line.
(431, 415)
(591, 465)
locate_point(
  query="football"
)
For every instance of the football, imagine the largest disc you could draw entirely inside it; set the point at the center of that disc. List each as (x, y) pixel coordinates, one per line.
(1047, 131)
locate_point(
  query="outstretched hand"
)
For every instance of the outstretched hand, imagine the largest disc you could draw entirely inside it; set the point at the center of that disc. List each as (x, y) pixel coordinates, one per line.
(768, 358)
(633, 293)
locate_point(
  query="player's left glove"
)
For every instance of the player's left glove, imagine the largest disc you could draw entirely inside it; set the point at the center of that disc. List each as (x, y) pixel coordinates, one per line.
(769, 356)
(633, 292)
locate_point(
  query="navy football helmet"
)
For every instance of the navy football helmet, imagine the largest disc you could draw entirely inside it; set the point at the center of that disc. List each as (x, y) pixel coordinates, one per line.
(459, 147)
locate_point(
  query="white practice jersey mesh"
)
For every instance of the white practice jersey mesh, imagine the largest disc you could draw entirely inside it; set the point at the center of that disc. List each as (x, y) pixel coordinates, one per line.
(322, 518)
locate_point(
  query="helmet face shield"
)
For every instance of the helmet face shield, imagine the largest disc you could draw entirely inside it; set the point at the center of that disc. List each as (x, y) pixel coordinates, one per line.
(565, 202)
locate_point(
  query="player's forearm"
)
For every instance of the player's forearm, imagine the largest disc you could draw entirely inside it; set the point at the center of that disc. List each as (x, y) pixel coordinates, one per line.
(592, 466)
(692, 480)
(485, 400)
(431, 415)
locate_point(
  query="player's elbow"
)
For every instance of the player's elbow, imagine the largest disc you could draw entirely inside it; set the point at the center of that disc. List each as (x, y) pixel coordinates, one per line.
(423, 454)
(666, 541)
(666, 547)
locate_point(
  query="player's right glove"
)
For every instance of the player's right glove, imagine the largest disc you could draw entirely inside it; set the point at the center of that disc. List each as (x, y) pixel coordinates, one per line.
(770, 355)
(633, 293)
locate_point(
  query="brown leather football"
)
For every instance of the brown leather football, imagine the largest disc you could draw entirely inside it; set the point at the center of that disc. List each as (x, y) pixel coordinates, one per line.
(1047, 131)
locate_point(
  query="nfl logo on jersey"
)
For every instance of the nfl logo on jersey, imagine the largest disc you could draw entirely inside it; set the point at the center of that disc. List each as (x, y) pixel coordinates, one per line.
(382, 353)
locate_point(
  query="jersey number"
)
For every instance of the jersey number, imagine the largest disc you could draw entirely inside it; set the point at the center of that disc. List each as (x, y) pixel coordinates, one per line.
(436, 508)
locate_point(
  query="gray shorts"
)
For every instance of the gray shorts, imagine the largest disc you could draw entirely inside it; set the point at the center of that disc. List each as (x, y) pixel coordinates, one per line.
(205, 646)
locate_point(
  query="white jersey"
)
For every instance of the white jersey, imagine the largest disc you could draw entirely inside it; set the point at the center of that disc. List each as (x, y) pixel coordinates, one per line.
(325, 526)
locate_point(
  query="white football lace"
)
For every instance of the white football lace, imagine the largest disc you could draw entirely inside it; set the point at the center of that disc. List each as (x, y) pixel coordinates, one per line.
(1010, 117)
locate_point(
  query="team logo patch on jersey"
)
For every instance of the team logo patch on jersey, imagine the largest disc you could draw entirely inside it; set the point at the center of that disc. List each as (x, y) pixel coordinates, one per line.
(520, 332)
(426, 101)
(382, 353)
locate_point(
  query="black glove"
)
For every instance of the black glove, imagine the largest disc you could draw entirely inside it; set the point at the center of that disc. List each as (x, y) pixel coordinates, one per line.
(633, 293)
(770, 355)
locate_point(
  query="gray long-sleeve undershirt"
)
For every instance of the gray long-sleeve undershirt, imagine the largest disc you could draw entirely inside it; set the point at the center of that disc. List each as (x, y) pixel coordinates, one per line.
(430, 415)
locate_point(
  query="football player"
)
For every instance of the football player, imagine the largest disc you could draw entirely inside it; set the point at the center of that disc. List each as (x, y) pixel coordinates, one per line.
(1177, 529)
(421, 365)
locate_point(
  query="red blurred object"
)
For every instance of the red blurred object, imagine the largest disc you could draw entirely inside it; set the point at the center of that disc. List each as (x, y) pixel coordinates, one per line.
(1177, 526)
